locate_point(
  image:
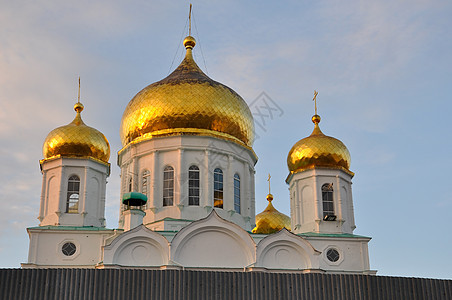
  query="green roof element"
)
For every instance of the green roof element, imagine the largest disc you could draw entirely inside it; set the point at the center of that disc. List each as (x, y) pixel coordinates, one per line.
(339, 235)
(77, 228)
(134, 199)
(170, 219)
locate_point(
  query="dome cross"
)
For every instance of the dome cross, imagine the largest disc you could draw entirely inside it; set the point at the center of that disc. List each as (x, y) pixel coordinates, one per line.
(315, 101)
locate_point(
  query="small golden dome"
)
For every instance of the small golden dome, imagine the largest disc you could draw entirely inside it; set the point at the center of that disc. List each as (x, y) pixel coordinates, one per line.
(271, 220)
(76, 140)
(318, 150)
(187, 102)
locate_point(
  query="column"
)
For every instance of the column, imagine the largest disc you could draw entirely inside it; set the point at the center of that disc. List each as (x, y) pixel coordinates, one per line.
(154, 202)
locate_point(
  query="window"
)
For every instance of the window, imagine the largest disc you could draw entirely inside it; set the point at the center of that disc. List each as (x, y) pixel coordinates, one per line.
(129, 186)
(145, 182)
(193, 185)
(332, 255)
(237, 193)
(68, 249)
(218, 188)
(73, 194)
(327, 199)
(168, 186)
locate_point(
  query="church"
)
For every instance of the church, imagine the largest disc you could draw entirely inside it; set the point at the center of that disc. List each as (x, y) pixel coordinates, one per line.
(187, 197)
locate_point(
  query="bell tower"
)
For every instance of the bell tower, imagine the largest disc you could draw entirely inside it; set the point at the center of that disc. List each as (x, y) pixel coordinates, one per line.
(74, 175)
(320, 183)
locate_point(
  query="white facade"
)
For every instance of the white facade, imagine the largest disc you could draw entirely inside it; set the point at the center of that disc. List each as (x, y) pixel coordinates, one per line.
(306, 203)
(211, 243)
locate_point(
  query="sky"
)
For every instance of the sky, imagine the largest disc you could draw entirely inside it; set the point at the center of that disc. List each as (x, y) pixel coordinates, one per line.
(383, 71)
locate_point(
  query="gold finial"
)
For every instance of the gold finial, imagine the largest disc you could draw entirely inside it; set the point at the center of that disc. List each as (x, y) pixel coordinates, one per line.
(269, 196)
(78, 107)
(189, 41)
(315, 118)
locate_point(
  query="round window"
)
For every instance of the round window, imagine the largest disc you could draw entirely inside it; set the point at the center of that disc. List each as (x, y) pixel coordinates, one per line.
(332, 255)
(68, 249)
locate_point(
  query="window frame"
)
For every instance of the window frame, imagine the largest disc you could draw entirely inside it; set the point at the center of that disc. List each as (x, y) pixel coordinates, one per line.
(237, 193)
(168, 186)
(218, 188)
(194, 182)
(328, 200)
(73, 188)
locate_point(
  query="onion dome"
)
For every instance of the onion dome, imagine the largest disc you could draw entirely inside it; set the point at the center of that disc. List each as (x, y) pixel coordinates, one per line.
(76, 140)
(271, 220)
(187, 102)
(318, 150)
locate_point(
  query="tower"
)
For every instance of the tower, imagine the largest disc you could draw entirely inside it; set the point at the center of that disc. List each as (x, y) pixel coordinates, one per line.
(74, 175)
(320, 184)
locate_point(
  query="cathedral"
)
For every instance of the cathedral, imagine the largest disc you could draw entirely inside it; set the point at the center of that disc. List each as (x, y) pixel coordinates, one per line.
(187, 197)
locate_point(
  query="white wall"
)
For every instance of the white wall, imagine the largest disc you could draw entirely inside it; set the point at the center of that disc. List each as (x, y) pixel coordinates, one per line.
(180, 152)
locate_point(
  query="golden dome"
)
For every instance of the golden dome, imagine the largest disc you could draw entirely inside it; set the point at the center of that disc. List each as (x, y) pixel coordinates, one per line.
(76, 140)
(318, 150)
(271, 220)
(187, 102)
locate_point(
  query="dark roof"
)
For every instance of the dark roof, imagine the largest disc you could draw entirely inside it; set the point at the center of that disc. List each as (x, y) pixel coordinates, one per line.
(183, 284)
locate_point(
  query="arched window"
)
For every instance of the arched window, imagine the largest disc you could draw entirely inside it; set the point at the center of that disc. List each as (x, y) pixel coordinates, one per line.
(129, 185)
(328, 204)
(73, 194)
(237, 193)
(145, 180)
(218, 188)
(193, 185)
(168, 186)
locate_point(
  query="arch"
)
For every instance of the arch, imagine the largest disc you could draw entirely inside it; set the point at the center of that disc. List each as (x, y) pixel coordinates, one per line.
(193, 185)
(73, 194)
(139, 247)
(168, 186)
(285, 250)
(218, 188)
(237, 193)
(213, 242)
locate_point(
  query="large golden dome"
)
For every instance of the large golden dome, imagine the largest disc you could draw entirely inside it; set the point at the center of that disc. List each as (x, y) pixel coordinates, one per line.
(271, 220)
(187, 102)
(76, 140)
(318, 150)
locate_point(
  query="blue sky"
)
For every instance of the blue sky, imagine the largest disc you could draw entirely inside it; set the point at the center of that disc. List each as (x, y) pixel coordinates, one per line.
(383, 70)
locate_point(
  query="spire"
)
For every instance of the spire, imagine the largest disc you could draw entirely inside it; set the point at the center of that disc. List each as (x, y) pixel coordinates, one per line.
(189, 21)
(189, 41)
(315, 118)
(78, 107)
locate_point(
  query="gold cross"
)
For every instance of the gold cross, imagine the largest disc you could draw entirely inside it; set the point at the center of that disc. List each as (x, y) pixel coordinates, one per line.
(78, 89)
(189, 22)
(315, 100)
(269, 182)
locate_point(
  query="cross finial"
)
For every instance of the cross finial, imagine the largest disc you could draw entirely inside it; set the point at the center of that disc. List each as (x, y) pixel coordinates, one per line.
(269, 182)
(189, 21)
(315, 101)
(78, 99)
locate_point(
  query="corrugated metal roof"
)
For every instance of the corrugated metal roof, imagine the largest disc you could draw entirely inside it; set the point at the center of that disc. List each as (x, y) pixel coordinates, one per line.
(182, 284)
